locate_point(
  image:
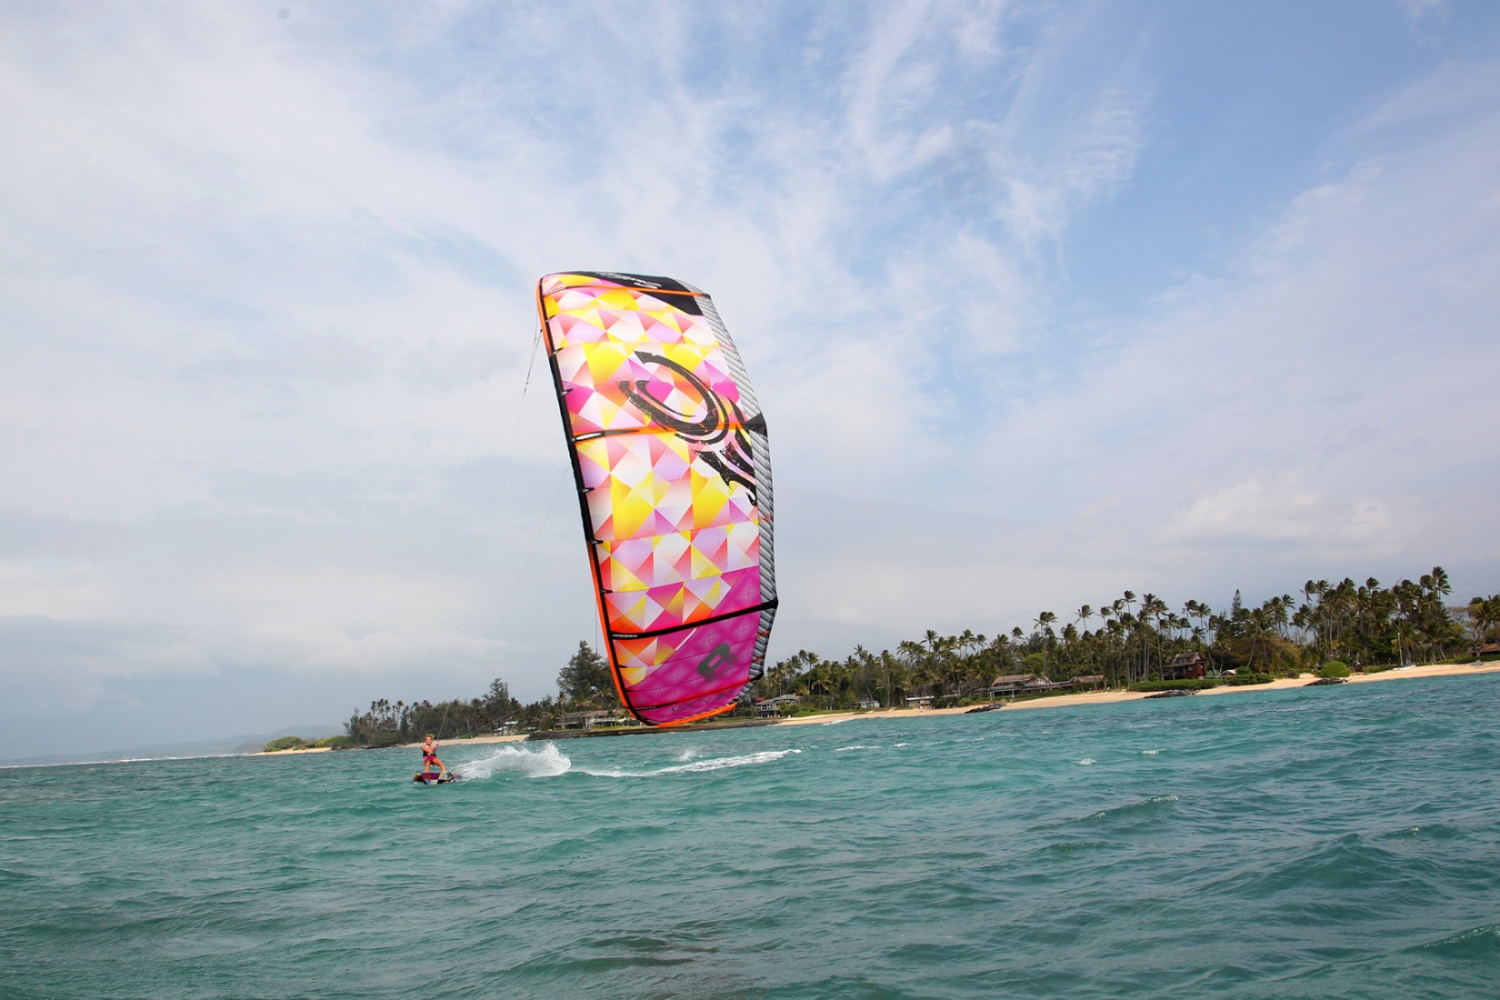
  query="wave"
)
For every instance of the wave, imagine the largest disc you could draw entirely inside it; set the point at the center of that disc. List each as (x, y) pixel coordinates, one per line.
(697, 766)
(1125, 810)
(1150, 753)
(859, 746)
(152, 760)
(545, 762)
(1086, 761)
(1475, 943)
(94, 762)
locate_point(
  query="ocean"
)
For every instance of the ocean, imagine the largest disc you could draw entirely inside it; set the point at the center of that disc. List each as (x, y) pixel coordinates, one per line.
(1320, 842)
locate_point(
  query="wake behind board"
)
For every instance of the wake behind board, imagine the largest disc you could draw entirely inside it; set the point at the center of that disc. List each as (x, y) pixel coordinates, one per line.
(434, 778)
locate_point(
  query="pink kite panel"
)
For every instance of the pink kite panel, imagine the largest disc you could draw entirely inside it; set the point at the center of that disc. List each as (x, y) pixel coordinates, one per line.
(672, 462)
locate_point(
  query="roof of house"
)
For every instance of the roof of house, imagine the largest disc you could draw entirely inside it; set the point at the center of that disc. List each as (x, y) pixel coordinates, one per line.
(1013, 679)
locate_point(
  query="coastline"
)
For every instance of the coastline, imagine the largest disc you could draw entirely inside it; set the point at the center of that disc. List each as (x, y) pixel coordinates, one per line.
(1057, 701)
(512, 738)
(1111, 697)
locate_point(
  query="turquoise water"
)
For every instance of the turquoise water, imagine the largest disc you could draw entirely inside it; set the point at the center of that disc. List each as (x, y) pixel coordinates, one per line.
(1325, 842)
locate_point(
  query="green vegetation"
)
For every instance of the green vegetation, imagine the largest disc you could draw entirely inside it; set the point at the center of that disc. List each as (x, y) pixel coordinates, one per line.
(387, 724)
(585, 682)
(1366, 625)
(1135, 637)
(1202, 684)
(1484, 626)
(1334, 668)
(286, 743)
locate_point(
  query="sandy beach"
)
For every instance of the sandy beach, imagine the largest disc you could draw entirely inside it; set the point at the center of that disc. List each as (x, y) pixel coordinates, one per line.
(1056, 701)
(1109, 697)
(512, 738)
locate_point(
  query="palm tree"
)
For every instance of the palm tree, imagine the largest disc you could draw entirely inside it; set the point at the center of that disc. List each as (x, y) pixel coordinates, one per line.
(1151, 607)
(1043, 623)
(1116, 630)
(1070, 636)
(1484, 614)
(1082, 616)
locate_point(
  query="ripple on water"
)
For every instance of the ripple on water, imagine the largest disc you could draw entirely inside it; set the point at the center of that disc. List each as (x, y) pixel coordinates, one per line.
(1290, 844)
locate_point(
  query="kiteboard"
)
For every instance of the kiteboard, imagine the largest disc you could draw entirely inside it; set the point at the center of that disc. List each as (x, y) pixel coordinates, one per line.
(434, 778)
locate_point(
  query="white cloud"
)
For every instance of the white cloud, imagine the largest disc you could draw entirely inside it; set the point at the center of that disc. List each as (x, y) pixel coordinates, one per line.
(1280, 510)
(267, 311)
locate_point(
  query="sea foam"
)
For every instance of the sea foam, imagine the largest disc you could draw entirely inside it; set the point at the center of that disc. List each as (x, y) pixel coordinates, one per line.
(545, 762)
(697, 766)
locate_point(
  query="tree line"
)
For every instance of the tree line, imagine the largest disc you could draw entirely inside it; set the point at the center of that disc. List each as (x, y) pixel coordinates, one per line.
(584, 683)
(1123, 641)
(1128, 640)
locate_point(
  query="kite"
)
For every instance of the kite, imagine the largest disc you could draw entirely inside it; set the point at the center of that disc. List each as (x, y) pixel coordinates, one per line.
(673, 469)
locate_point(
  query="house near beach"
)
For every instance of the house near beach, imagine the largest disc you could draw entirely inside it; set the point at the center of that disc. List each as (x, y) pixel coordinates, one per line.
(588, 720)
(768, 707)
(866, 703)
(1010, 685)
(1185, 667)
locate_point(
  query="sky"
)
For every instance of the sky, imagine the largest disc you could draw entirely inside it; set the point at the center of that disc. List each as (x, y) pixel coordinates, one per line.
(1043, 301)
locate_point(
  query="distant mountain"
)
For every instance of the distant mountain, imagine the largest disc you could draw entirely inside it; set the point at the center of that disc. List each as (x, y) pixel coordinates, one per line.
(228, 746)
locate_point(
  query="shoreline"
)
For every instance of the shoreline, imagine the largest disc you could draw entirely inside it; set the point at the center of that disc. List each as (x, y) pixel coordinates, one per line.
(1112, 697)
(1056, 701)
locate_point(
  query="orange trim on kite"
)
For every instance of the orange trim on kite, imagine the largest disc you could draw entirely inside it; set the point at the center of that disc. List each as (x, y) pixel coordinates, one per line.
(694, 718)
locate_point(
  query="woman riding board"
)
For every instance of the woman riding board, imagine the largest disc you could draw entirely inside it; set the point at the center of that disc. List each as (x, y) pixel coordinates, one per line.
(430, 760)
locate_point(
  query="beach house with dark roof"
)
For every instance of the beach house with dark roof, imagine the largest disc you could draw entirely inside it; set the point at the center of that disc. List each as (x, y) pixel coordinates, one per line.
(1185, 667)
(773, 706)
(1010, 685)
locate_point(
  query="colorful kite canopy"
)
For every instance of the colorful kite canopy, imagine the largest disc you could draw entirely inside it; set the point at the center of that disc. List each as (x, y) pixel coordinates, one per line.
(673, 469)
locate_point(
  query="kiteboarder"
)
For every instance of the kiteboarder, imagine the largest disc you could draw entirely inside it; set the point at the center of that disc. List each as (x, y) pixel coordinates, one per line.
(430, 760)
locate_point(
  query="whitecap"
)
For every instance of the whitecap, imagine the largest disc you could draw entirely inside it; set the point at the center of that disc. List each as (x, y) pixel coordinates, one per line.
(697, 766)
(1086, 761)
(545, 762)
(859, 746)
(1150, 753)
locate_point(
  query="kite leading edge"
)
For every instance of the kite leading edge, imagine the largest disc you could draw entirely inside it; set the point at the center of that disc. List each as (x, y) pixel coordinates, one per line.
(673, 470)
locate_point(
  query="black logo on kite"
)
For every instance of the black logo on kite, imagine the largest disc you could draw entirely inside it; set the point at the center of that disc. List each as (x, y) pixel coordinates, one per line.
(717, 433)
(721, 657)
